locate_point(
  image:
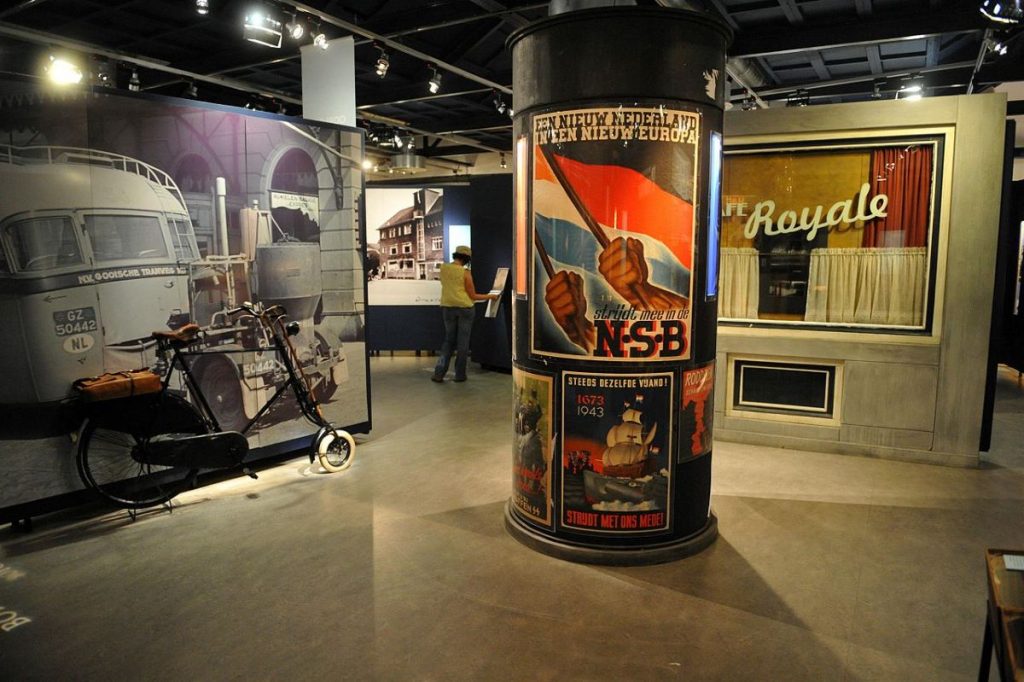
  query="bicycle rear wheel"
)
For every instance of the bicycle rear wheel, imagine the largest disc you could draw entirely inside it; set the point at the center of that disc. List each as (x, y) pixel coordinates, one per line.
(112, 449)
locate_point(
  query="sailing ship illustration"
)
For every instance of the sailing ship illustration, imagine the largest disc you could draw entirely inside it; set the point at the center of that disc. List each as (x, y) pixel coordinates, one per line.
(627, 463)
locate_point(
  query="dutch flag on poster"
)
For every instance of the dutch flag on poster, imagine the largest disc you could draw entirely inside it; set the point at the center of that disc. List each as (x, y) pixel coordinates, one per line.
(626, 203)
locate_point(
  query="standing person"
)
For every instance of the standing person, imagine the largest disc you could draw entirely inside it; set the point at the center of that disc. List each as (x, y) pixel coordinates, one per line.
(457, 297)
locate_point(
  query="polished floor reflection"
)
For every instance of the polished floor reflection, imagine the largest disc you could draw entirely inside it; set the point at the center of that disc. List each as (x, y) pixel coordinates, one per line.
(827, 568)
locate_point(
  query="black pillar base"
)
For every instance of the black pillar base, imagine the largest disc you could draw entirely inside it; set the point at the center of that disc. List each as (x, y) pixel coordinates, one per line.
(609, 556)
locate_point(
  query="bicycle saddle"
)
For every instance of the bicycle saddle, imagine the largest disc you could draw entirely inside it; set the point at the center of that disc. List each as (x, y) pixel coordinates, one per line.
(181, 336)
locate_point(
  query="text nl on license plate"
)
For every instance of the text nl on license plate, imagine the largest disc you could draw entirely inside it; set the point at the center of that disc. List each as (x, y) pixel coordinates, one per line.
(74, 321)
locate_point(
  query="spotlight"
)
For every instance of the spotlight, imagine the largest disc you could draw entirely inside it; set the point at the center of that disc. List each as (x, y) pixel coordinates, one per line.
(367, 164)
(190, 91)
(203, 7)
(1002, 11)
(105, 73)
(800, 98)
(320, 40)
(282, 109)
(262, 29)
(434, 84)
(997, 47)
(504, 162)
(398, 140)
(911, 91)
(134, 84)
(296, 29)
(499, 103)
(749, 104)
(63, 72)
(383, 63)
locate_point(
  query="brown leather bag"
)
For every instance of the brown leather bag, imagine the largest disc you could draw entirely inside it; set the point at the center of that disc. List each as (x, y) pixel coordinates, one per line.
(115, 385)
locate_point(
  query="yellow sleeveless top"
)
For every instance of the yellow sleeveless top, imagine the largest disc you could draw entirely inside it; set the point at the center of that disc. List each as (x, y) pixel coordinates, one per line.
(453, 287)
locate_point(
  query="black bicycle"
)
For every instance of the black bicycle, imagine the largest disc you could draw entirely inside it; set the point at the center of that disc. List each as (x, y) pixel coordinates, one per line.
(141, 451)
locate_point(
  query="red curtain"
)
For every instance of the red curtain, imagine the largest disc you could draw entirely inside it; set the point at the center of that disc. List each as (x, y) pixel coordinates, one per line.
(904, 174)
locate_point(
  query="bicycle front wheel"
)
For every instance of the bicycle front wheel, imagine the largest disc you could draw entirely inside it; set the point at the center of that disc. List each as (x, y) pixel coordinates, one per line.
(112, 449)
(335, 449)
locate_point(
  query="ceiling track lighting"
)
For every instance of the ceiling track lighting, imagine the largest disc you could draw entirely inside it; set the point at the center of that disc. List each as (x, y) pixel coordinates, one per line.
(499, 103)
(262, 28)
(434, 84)
(202, 7)
(912, 90)
(383, 62)
(134, 84)
(997, 47)
(1002, 11)
(190, 91)
(63, 71)
(319, 39)
(800, 98)
(296, 29)
(104, 73)
(503, 162)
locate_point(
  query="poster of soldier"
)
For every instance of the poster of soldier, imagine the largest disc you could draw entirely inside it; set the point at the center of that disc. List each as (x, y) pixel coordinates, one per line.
(531, 467)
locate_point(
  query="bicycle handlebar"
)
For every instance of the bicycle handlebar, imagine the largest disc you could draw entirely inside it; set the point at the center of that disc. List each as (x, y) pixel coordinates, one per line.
(246, 307)
(257, 310)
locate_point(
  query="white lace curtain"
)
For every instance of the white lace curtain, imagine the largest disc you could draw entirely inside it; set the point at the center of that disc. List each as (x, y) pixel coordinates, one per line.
(883, 286)
(738, 287)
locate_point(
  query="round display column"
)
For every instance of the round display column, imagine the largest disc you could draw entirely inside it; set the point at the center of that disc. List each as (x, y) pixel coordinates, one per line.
(618, 162)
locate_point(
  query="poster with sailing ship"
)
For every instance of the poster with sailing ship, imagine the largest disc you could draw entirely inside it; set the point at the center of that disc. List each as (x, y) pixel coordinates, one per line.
(613, 233)
(531, 466)
(697, 411)
(616, 445)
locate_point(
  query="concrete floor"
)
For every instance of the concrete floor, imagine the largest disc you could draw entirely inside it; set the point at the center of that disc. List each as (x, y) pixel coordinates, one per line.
(827, 568)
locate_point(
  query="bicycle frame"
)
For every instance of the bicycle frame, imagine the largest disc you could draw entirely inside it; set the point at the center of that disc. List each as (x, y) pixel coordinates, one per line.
(286, 355)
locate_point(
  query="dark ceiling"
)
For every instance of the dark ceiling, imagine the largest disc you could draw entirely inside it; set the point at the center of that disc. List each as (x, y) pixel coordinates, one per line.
(785, 50)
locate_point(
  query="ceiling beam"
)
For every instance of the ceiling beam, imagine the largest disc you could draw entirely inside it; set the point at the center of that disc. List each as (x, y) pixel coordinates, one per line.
(790, 88)
(792, 12)
(424, 98)
(20, 7)
(492, 6)
(394, 44)
(880, 29)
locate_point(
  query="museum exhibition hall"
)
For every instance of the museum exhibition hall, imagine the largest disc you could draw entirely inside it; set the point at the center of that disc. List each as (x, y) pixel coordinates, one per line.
(479, 339)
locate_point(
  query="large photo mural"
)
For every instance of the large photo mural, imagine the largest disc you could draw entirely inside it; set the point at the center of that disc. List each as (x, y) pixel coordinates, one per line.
(124, 215)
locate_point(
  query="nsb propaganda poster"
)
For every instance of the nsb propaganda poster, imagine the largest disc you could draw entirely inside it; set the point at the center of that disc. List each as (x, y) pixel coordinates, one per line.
(697, 411)
(613, 233)
(531, 466)
(616, 462)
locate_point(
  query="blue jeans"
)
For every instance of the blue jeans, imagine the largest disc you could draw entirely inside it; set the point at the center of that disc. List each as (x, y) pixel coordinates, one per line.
(458, 322)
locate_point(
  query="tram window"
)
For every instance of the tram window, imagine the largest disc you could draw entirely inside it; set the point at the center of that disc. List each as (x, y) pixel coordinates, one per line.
(44, 243)
(125, 237)
(184, 248)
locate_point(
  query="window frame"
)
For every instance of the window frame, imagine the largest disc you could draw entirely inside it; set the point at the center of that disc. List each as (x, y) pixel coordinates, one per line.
(169, 250)
(14, 267)
(941, 139)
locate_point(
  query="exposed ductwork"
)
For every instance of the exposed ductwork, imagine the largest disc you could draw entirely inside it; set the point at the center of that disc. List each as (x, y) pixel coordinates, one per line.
(408, 162)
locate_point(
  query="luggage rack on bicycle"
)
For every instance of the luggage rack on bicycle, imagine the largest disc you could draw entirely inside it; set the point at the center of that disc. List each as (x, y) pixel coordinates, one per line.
(142, 443)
